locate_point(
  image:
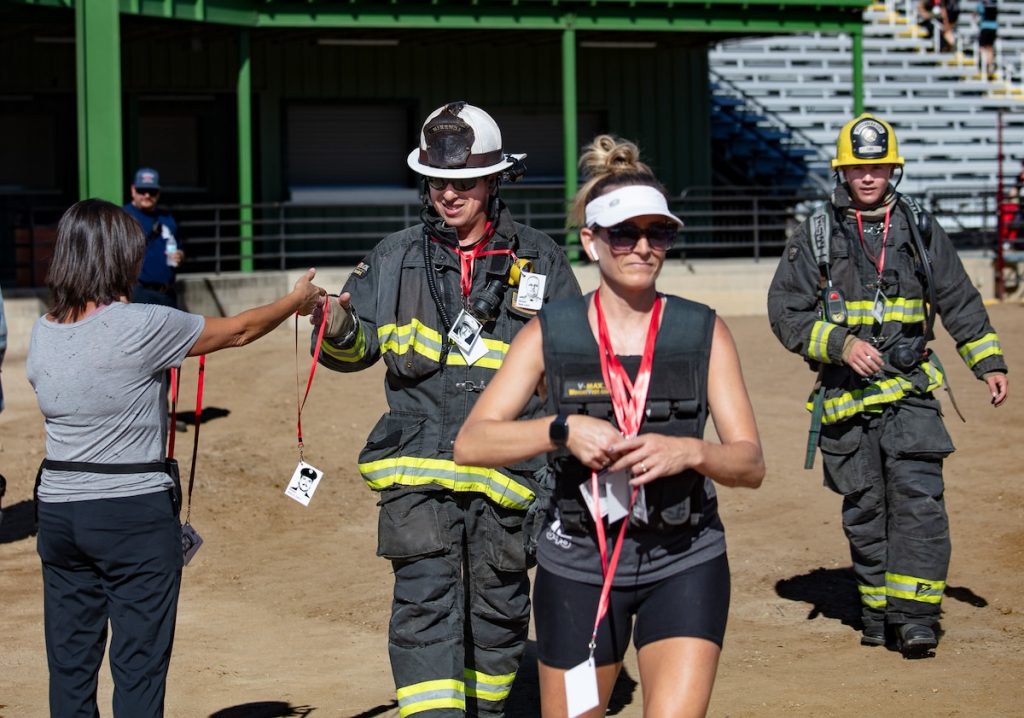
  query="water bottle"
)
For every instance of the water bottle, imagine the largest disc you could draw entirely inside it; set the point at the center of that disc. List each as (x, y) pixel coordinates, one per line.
(170, 249)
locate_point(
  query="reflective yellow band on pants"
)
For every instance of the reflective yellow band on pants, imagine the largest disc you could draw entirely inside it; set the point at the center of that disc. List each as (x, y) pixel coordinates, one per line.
(431, 695)
(872, 596)
(487, 687)
(913, 588)
(415, 471)
(974, 352)
(353, 354)
(418, 337)
(874, 397)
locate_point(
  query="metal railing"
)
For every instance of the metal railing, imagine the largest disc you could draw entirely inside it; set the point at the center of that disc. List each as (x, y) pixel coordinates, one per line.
(753, 222)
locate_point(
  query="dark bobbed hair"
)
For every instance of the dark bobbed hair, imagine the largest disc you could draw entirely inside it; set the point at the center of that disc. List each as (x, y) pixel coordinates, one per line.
(608, 163)
(97, 257)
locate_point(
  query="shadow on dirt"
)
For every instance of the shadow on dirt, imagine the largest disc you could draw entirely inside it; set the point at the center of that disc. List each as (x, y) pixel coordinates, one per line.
(18, 522)
(265, 709)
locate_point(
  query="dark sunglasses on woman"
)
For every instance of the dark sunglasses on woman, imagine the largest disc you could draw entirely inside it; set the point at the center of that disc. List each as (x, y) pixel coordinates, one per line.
(625, 236)
(459, 184)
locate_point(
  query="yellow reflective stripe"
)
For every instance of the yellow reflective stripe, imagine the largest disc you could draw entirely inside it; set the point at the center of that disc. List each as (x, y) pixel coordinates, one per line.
(913, 588)
(416, 471)
(875, 396)
(897, 309)
(353, 354)
(415, 336)
(490, 688)
(431, 695)
(974, 352)
(872, 596)
(496, 351)
(817, 345)
(418, 337)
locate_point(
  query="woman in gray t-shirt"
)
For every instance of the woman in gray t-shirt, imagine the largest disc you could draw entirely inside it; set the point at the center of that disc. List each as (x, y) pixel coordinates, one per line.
(109, 535)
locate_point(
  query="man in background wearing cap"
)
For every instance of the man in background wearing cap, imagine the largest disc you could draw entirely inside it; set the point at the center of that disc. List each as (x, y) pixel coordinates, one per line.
(439, 303)
(163, 255)
(856, 296)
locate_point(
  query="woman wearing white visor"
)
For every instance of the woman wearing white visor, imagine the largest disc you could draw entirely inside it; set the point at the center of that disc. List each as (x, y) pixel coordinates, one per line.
(629, 377)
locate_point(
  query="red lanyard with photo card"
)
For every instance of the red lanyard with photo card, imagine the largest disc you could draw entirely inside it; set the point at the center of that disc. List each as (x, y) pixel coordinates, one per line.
(629, 400)
(175, 382)
(312, 370)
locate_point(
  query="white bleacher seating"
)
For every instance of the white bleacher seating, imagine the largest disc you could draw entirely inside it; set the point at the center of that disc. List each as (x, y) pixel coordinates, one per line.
(944, 110)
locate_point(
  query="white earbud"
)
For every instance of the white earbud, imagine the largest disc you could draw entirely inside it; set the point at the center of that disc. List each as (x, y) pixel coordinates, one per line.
(592, 252)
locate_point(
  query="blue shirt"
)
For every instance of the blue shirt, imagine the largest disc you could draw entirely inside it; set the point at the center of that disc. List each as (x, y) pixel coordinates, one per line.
(154, 263)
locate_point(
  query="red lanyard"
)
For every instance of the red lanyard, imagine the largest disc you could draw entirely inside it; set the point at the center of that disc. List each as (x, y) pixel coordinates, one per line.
(628, 400)
(312, 369)
(175, 380)
(880, 262)
(467, 258)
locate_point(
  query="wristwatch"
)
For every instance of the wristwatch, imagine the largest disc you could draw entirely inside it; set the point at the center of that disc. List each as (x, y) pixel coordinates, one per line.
(558, 430)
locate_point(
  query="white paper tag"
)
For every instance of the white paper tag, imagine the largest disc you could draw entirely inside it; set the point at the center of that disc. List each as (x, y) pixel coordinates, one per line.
(303, 483)
(878, 310)
(581, 688)
(613, 491)
(531, 291)
(465, 333)
(190, 541)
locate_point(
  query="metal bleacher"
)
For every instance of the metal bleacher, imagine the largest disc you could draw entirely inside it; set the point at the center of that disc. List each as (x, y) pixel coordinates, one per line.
(945, 108)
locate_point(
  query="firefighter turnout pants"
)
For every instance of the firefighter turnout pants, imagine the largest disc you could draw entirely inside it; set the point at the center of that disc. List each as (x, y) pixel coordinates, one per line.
(888, 467)
(461, 606)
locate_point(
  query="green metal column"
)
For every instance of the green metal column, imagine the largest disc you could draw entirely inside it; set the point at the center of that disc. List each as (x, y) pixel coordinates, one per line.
(98, 78)
(857, 36)
(569, 121)
(244, 95)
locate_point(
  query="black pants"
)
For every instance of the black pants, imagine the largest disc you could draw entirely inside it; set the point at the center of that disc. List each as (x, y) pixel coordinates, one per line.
(116, 560)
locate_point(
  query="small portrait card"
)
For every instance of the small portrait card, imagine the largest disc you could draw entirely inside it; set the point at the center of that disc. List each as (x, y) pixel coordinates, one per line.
(303, 483)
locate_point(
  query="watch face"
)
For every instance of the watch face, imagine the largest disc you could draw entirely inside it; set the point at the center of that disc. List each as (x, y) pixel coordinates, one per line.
(558, 430)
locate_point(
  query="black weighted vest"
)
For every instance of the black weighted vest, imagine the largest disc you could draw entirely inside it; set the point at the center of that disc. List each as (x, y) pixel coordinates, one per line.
(676, 402)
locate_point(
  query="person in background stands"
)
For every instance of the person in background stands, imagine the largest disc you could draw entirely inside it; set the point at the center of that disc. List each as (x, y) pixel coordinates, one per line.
(156, 284)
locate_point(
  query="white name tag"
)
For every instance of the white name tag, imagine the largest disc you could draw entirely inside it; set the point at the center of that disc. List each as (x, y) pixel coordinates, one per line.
(581, 688)
(613, 492)
(531, 291)
(303, 483)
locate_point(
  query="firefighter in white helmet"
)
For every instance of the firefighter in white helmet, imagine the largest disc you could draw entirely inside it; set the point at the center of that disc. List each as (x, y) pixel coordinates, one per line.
(856, 295)
(439, 303)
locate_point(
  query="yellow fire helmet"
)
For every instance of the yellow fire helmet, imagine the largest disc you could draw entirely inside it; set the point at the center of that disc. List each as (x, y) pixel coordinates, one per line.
(867, 140)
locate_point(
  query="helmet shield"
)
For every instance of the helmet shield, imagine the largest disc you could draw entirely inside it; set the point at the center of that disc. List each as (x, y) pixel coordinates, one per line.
(449, 138)
(869, 140)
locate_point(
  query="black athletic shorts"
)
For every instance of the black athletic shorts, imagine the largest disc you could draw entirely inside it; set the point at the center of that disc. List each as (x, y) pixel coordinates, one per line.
(694, 603)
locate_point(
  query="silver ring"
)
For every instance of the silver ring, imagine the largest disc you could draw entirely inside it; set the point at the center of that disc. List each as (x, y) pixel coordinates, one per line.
(643, 468)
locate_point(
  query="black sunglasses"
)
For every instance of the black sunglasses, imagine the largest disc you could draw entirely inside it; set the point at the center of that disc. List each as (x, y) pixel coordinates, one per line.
(625, 236)
(152, 192)
(460, 184)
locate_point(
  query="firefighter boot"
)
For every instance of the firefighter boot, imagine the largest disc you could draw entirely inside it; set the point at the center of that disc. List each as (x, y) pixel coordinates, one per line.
(873, 634)
(916, 640)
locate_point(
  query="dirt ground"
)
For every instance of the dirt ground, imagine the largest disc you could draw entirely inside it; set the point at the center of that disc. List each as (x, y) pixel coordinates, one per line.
(284, 610)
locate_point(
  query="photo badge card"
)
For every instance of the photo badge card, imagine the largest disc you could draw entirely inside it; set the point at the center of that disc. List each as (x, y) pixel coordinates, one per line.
(303, 483)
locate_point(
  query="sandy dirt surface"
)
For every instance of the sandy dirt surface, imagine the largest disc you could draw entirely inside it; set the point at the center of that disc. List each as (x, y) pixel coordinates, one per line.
(284, 611)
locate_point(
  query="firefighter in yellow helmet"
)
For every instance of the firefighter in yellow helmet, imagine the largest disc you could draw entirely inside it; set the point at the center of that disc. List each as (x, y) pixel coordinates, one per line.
(856, 295)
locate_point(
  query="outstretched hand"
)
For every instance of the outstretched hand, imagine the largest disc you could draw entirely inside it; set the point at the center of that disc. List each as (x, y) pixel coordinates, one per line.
(310, 295)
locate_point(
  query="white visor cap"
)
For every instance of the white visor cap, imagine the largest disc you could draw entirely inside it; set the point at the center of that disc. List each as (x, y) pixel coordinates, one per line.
(625, 203)
(485, 155)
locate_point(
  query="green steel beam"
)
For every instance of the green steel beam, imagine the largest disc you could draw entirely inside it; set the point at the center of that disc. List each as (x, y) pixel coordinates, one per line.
(244, 99)
(726, 16)
(569, 125)
(98, 79)
(857, 58)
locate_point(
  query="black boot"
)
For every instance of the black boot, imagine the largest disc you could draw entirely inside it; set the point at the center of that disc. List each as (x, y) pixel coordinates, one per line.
(916, 640)
(873, 634)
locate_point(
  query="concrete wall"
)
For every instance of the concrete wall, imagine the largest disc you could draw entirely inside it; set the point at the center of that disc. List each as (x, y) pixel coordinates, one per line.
(734, 287)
